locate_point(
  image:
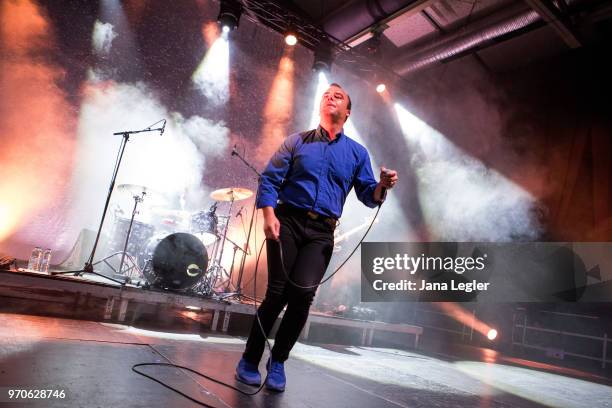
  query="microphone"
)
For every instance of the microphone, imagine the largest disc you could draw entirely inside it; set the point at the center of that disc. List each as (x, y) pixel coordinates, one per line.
(163, 129)
(240, 212)
(234, 151)
(383, 193)
(383, 190)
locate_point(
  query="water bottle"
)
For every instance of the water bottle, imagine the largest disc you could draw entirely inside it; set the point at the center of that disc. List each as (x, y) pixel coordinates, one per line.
(35, 258)
(45, 259)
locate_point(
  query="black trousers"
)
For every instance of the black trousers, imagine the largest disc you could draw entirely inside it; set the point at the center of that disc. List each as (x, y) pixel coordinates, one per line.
(307, 246)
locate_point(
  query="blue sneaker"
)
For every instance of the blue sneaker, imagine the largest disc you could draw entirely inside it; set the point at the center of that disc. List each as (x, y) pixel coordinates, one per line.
(276, 379)
(248, 373)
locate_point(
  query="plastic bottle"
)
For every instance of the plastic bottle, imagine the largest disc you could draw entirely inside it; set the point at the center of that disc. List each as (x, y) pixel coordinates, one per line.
(35, 259)
(45, 259)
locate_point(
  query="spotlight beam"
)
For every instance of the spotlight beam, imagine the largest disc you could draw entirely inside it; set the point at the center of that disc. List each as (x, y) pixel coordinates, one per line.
(279, 106)
(466, 318)
(454, 186)
(212, 75)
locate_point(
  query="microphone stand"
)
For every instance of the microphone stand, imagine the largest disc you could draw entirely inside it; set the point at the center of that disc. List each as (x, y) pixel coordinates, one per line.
(88, 268)
(247, 250)
(235, 153)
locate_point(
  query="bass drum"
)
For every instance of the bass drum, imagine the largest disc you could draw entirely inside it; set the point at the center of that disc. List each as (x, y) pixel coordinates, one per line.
(175, 262)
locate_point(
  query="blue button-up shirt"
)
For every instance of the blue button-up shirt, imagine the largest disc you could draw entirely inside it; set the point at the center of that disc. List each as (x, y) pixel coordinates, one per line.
(313, 172)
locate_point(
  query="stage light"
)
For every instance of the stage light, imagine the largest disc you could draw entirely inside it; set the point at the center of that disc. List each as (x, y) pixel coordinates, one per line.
(380, 88)
(374, 44)
(291, 38)
(467, 318)
(323, 57)
(229, 15)
(492, 334)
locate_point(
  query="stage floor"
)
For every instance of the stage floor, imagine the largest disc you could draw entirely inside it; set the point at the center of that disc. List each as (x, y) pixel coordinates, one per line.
(92, 362)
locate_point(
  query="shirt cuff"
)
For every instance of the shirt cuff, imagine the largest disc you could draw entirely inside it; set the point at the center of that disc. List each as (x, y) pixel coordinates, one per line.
(369, 200)
(266, 202)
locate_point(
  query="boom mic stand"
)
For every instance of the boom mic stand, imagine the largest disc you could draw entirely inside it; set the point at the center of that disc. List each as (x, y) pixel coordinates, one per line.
(246, 251)
(88, 268)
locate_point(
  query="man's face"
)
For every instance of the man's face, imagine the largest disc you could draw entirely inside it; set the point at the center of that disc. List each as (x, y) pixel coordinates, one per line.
(334, 103)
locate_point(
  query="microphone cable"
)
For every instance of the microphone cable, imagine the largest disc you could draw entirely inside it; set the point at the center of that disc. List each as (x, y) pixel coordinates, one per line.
(261, 386)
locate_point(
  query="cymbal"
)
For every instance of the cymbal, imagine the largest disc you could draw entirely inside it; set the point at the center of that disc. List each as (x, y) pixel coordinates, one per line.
(135, 190)
(231, 194)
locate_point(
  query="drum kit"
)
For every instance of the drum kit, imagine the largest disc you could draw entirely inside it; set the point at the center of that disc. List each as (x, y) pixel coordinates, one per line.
(174, 249)
(169, 251)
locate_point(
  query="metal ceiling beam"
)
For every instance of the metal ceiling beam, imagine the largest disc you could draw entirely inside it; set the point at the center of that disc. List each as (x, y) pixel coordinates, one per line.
(278, 18)
(558, 22)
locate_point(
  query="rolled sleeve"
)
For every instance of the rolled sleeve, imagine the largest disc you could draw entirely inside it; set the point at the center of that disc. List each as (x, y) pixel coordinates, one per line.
(273, 176)
(364, 181)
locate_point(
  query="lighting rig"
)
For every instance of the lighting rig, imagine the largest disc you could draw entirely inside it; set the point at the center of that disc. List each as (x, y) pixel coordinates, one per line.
(297, 28)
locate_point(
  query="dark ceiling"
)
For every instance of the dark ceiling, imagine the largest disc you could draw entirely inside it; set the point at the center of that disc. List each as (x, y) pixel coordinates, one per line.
(409, 36)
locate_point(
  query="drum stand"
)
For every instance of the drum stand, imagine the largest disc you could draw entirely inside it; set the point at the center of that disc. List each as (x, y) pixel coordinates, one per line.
(216, 269)
(231, 273)
(133, 270)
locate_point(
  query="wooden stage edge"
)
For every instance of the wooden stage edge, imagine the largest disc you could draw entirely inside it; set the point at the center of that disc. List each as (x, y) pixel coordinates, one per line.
(76, 292)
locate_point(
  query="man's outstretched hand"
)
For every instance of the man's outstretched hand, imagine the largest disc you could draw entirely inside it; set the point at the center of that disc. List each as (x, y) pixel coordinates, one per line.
(388, 179)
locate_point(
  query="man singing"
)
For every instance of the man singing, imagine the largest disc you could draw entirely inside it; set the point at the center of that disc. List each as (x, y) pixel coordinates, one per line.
(302, 193)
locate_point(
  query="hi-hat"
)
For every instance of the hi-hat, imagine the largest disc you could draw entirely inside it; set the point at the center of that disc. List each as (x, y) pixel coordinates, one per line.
(231, 194)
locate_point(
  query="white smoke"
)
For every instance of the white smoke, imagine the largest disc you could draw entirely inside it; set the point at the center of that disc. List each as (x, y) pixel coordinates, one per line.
(462, 199)
(103, 36)
(172, 164)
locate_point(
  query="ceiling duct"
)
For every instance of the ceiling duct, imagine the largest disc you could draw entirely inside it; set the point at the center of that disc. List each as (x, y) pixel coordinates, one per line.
(490, 29)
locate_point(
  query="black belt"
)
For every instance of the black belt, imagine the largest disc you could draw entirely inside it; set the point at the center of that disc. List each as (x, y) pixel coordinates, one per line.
(288, 209)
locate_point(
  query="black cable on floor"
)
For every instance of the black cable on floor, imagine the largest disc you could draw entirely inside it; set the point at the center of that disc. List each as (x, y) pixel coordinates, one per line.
(258, 321)
(204, 375)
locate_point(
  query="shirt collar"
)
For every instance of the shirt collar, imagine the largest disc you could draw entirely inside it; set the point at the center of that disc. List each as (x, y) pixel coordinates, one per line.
(322, 133)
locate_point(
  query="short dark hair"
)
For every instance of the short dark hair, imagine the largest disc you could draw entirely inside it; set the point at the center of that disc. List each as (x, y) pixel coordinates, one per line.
(350, 104)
